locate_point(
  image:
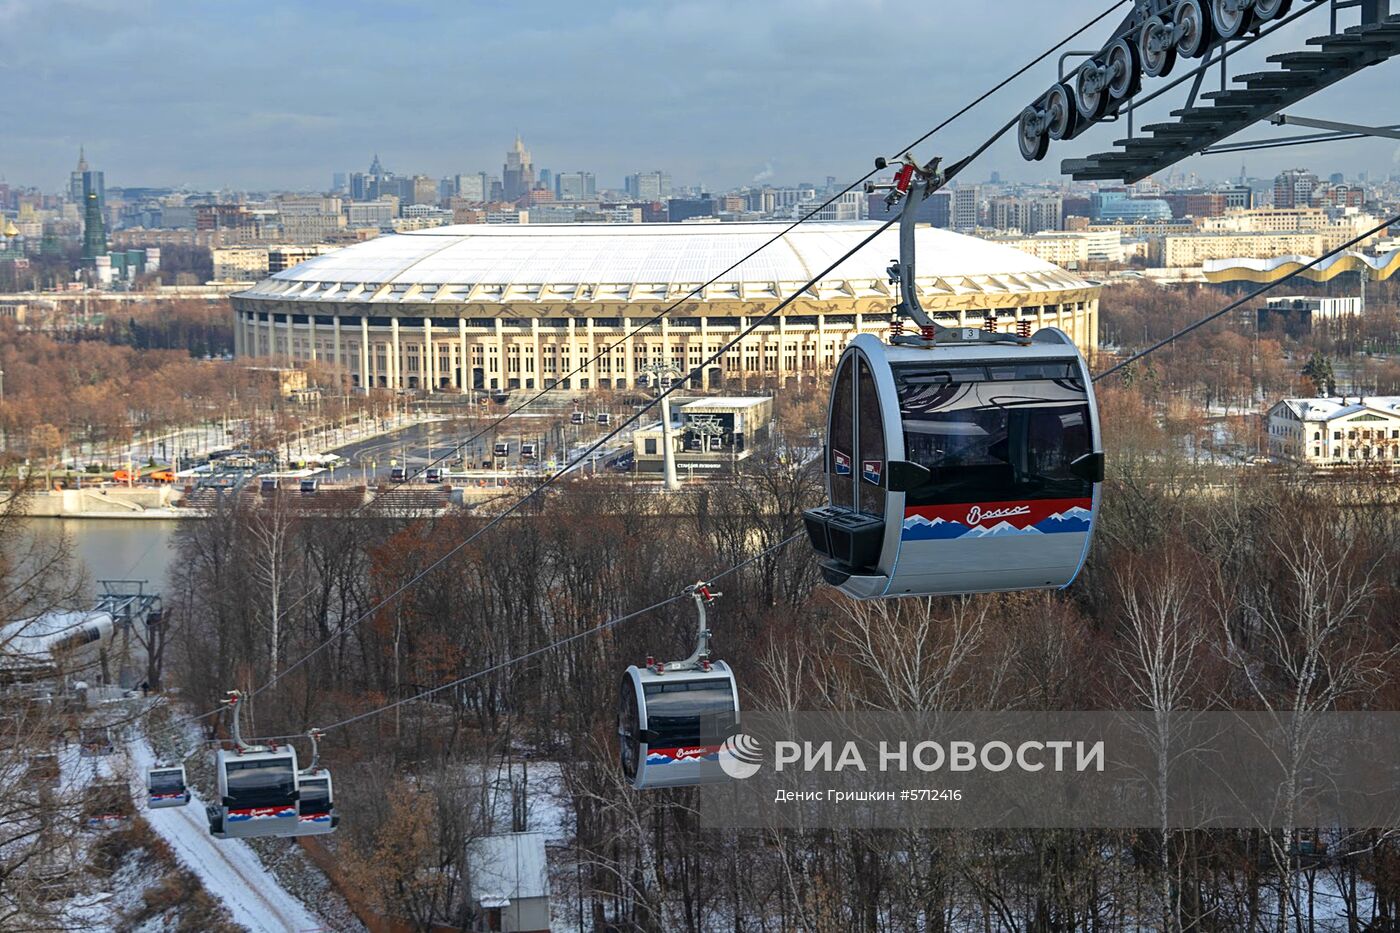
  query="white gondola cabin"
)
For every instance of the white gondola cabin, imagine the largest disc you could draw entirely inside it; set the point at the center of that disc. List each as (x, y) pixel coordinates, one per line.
(316, 805)
(258, 792)
(671, 725)
(958, 469)
(674, 717)
(166, 787)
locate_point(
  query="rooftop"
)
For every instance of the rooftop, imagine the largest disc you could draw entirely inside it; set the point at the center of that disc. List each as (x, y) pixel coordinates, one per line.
(1331, 409)
(638, 262)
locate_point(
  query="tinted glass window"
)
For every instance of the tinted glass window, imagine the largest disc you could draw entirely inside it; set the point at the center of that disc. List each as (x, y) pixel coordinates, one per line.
(315, 797)
(871, 463)
(695, 713)
(167, 782)
(840, 455)
(265, 783)
(994, 433)
(627, 726)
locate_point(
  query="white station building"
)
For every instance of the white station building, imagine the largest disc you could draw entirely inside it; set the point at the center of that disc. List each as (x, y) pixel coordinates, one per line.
(501, 307)
(1336, 431)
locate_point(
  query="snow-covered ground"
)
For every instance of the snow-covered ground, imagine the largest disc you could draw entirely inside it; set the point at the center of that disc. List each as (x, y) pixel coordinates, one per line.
(228, 868)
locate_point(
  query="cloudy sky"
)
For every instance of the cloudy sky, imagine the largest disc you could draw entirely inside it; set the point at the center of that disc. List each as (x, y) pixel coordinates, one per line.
(241, 94)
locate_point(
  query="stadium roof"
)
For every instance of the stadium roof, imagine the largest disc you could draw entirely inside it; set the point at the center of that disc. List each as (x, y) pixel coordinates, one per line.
(1378, 268)
(579, 263)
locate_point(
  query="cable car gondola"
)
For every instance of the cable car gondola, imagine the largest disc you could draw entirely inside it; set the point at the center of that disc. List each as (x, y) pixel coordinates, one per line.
(674, 717)
(95, 742)
(166, 787)
(501, 449)
(957, 460)
(309, 487)
(257, 787)
(604, 418)
(434, 475)
(316, 805)
(527, 451)
(576, 417)
(107, 806)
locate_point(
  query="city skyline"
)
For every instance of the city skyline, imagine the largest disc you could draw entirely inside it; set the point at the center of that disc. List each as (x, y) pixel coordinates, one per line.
(156, 103)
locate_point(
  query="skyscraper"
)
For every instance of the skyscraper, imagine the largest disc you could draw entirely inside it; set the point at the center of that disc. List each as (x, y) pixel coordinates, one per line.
(1294, 188)
(518, 174)
(967, 202)
(649, 186)
(83, 181)
(576, 186)
(94, 231)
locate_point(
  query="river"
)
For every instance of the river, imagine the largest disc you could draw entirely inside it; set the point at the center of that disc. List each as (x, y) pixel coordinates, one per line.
(117, 549)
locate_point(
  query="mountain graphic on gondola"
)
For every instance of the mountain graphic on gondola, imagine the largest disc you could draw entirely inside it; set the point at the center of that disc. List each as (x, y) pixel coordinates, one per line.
(1001, 530)
(656, 758)
(919, 528)
(1075, 519)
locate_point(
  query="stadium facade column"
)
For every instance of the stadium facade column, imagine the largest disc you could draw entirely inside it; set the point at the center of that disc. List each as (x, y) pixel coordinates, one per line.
(291, 349)
(591, 356)
(395, 362)
(311, 336)
(533, 365)
(572, 360)
(365, 382)
(237, 333)
(463, 376)
(500, 361)
(629, 364)
(743, 349)
(783, 370)
(429, 356)
(335, 339)
(705, 351)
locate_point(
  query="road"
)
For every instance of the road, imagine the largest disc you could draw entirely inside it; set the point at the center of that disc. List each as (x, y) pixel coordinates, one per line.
(418, 445)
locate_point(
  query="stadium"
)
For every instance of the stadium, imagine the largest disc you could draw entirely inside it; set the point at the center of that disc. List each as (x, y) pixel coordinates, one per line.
(501, 307)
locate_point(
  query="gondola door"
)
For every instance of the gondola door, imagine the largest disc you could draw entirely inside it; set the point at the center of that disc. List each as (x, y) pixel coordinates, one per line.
(852, 530)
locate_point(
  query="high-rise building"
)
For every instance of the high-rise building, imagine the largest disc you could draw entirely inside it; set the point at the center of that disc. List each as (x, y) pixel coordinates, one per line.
(94, 231)
(1238, 197)
(473, 187)
(368, 186)
(649, 186)
(967, 202)
(83, 181)
(518, 174)
(575, 186)
(1294, 188)
(1029, 215)
(424, 191)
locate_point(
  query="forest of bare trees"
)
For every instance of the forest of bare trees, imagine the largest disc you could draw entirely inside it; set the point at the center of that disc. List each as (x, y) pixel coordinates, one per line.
(1205, 591)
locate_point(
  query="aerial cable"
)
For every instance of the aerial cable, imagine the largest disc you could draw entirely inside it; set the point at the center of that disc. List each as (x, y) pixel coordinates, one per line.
(520, 659)
(1311, 264)
(698, 370)
(699, 289)
(949, 175)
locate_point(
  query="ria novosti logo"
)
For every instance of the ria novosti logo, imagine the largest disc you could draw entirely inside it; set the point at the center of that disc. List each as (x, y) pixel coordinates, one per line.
(740, 756)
